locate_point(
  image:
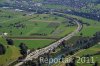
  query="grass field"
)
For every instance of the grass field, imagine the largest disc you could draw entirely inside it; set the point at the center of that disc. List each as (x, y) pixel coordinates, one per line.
(81, 53)
(34, 43)
(91, 50)
(18, 24)
(88, 30)
(15, 24)
(12, 53)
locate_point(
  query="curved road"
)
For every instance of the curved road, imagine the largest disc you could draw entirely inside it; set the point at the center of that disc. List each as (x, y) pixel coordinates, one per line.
(39, 52)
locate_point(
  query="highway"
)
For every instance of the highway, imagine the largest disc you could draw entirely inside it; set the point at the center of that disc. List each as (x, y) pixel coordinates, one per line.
(40, 52)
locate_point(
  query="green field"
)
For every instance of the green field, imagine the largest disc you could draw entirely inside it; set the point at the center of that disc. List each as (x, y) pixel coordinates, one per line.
(90, 51)
(20, 24)
(40, 30)
(88, 30)
(34, 43)
(12, 53)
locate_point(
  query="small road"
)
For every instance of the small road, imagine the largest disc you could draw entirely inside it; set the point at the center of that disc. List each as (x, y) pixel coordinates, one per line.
(40, 52)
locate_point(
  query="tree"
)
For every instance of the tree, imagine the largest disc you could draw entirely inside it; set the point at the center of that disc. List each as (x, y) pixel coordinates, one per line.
(23, 48)
(10, 41)
(2, 49)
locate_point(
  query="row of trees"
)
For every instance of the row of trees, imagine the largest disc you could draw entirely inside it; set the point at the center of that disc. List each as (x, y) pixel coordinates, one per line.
(83, 43)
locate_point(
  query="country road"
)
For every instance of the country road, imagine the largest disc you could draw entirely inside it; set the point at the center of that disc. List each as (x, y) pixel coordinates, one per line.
(39, 52)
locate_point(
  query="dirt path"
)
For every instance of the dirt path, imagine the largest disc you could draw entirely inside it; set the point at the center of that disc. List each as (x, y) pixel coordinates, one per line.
(33, 38)
(29, 39)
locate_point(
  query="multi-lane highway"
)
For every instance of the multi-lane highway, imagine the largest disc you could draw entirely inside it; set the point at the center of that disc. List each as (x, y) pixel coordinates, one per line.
(39, 52)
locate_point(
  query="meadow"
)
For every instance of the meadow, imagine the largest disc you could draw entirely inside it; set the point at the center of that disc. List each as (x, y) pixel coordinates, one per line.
(12, 53)
(90, 51)
(88, 30)
(16, 24)
(20, 24)
(34, 44)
